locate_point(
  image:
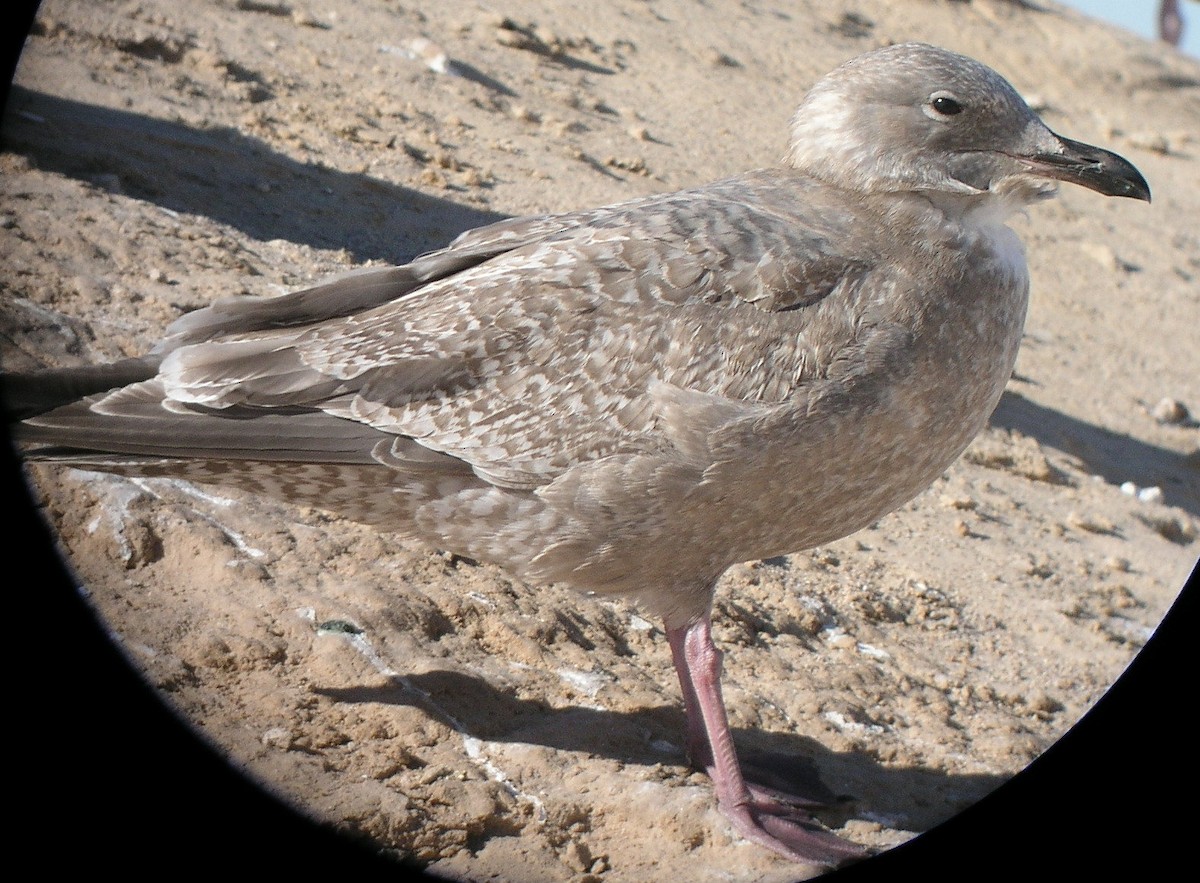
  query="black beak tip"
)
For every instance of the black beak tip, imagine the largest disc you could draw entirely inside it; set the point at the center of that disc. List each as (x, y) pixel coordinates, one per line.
(1139, 189)
(1126, 180)
(1100, 170)
(1113, 175)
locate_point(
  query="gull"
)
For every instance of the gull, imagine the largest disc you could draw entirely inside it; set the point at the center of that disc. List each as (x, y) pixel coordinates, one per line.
(631, 399)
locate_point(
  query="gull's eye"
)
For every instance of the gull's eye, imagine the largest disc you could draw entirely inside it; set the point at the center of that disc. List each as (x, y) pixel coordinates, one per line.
(944, 105)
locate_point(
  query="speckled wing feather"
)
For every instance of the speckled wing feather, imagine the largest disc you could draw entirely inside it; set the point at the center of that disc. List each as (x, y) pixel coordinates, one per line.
(525, 347)
(362, 289)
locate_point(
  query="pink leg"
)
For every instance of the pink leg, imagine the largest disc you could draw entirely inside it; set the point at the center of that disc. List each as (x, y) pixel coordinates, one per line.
(765, 817)
(698, 752)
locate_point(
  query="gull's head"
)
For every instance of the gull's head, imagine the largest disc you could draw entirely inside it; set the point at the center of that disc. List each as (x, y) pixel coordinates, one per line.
(913, 117)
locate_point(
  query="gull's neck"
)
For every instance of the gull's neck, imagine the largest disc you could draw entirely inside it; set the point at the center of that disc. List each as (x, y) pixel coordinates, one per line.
(992, 207)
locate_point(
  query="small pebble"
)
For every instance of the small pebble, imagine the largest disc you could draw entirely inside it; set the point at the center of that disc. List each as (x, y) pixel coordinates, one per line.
(524, 114)
(1150, 495)
(1103, 255)
(1117, 564)
(630, 164)
(1169, 410)
(954, 502)
(430, 54)
(1092, 524)
(717, 58)
(842, 641)
(277, 737)
(1038, 701)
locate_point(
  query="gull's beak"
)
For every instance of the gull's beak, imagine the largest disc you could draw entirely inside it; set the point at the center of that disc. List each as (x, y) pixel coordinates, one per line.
(1090, 167)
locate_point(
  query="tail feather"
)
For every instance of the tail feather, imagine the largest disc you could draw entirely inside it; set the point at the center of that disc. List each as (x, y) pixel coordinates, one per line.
(27, 395)
(132, 421)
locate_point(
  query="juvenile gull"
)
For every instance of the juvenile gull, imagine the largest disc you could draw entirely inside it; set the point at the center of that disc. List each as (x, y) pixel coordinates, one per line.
(633, 398)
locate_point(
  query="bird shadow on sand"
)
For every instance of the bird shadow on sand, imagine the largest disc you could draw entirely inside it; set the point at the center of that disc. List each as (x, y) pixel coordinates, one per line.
(652, 736)
(1116, 457)
(231, 178)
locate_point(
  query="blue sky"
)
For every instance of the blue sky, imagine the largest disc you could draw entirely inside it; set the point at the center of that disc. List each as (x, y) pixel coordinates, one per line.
(1141, 17)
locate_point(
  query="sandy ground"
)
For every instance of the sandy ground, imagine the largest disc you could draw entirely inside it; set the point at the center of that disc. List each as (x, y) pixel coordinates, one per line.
(159, 154)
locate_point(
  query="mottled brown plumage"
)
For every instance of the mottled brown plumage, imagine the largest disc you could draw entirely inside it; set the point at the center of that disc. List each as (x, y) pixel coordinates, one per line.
(731, 372)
